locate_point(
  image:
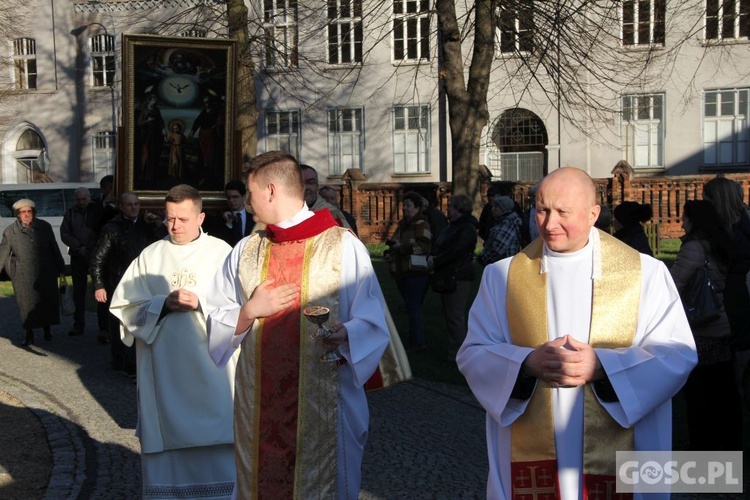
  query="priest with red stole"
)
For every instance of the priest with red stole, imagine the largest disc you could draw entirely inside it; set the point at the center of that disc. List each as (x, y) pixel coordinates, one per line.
(300, 423)
(575, 349)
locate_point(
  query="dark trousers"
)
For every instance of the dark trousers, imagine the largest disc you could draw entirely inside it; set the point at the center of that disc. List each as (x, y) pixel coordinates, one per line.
(413, 289)
(455, 308)
(123, 357)
(714, 410)
(79, 271)
(102, 316)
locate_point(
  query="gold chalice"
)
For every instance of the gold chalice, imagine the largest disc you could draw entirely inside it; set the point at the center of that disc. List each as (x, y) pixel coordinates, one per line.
(319, 315)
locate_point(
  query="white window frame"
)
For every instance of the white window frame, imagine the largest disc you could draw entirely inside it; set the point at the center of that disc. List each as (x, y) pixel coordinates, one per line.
(345, 32)
(345, 139)
(280, 33)
(521, 33)
(288, 140)
(24, 64)
(732, 12)
(411, 145)
(103, 148)
(651, 21)
(411, 29)
(643, 130)
(103, 66)
(725, 122)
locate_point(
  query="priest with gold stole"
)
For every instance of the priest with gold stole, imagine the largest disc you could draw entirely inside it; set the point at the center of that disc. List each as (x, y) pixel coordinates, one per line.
(300, 423)
(575, 349)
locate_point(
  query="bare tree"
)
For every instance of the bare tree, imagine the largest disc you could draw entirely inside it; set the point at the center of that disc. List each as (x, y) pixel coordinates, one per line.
(12, 15)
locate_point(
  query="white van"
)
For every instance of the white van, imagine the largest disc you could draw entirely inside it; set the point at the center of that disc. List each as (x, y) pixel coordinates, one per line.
(51, 202)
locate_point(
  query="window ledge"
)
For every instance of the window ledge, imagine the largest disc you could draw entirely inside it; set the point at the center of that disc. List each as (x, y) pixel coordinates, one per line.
(280, 69)
(411, 62)
(642, 47)
(717, 42)
(412, 174)
(332, 66)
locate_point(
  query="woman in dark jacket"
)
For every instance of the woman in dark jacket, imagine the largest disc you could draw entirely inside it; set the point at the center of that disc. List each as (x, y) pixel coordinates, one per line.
(31, 257)
(629, 218)
(411, 238)
(453, 271)
(713, 403)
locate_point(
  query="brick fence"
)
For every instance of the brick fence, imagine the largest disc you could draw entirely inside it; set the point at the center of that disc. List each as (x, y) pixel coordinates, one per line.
(377, 206)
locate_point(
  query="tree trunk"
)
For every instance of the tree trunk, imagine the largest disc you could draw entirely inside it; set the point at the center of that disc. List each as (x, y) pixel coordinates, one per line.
(247, 111)
(467, 101)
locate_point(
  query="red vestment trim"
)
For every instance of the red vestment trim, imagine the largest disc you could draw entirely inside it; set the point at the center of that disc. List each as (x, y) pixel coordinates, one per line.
(279, 380)
(534, 480)
(600, 487)
(319, 222)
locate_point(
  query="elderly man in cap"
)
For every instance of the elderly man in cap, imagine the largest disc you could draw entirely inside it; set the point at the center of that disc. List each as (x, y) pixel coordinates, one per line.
(31, 257)
(504, 239)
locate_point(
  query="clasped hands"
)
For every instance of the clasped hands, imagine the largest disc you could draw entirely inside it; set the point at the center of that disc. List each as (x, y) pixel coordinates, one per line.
(564, 362)
(268, 300)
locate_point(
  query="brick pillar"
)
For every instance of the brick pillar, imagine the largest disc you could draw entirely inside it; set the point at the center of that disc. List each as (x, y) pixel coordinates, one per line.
(620, 188)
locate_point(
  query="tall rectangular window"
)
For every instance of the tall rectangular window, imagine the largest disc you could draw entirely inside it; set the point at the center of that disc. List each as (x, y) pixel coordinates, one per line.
(411, 30)
(344, 31)
(411, 139)
(103, 146)
(282, 132)
(345, 140)
(727, 19)
(102, 60)
(643, 130)
(725, 134)
(515, 25)
(24, 63)
(643, 22)
(280, 33)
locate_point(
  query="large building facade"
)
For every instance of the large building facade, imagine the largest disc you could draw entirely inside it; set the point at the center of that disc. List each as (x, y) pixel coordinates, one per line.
(357, 84)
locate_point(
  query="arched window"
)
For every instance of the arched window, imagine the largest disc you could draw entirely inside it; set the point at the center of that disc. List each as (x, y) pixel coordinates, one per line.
(518, 146)
(31, 157)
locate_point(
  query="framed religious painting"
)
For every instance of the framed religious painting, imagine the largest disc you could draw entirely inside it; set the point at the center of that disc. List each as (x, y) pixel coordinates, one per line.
(178, 116)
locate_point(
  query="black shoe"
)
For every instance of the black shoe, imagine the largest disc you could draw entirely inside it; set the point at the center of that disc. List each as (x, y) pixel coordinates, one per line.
(75, 333)
(29, 340)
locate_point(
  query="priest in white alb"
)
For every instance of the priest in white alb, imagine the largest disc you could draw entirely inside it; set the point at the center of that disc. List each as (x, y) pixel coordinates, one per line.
(575, 349)
(184, 399)
(300, 424)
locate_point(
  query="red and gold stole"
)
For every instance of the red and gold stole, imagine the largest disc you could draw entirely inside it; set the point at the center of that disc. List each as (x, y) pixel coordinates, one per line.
(614, 313)
(286, 400)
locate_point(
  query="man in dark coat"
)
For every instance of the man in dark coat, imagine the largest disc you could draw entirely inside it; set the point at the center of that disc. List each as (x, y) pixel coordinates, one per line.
(121, 240)
(236, 222)
(79, 231)
(31, 257)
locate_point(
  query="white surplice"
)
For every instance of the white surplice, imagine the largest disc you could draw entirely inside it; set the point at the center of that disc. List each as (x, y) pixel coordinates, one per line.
(185, 401)
(644, 376)
(360, 310)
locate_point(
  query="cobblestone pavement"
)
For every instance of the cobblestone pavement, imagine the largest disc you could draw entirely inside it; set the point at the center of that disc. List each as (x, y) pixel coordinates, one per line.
(426, 440)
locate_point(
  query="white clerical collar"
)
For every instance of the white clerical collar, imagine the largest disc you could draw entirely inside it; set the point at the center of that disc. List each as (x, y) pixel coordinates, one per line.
(593, 247)
(301, 216)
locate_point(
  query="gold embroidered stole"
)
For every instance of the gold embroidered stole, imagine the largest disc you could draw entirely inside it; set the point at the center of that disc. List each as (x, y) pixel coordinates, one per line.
(313, 470)
(614, 313)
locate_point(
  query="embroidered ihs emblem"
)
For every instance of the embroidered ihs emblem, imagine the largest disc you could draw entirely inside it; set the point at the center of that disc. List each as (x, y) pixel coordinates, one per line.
(182, 279)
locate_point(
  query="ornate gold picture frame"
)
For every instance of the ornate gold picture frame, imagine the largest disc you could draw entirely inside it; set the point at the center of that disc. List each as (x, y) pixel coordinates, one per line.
(178, 115)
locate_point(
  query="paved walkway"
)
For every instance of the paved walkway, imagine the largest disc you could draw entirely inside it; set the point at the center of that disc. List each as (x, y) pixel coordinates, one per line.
(426, 440)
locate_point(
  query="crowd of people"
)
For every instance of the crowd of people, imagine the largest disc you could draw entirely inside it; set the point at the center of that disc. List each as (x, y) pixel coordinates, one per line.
(215, 317)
